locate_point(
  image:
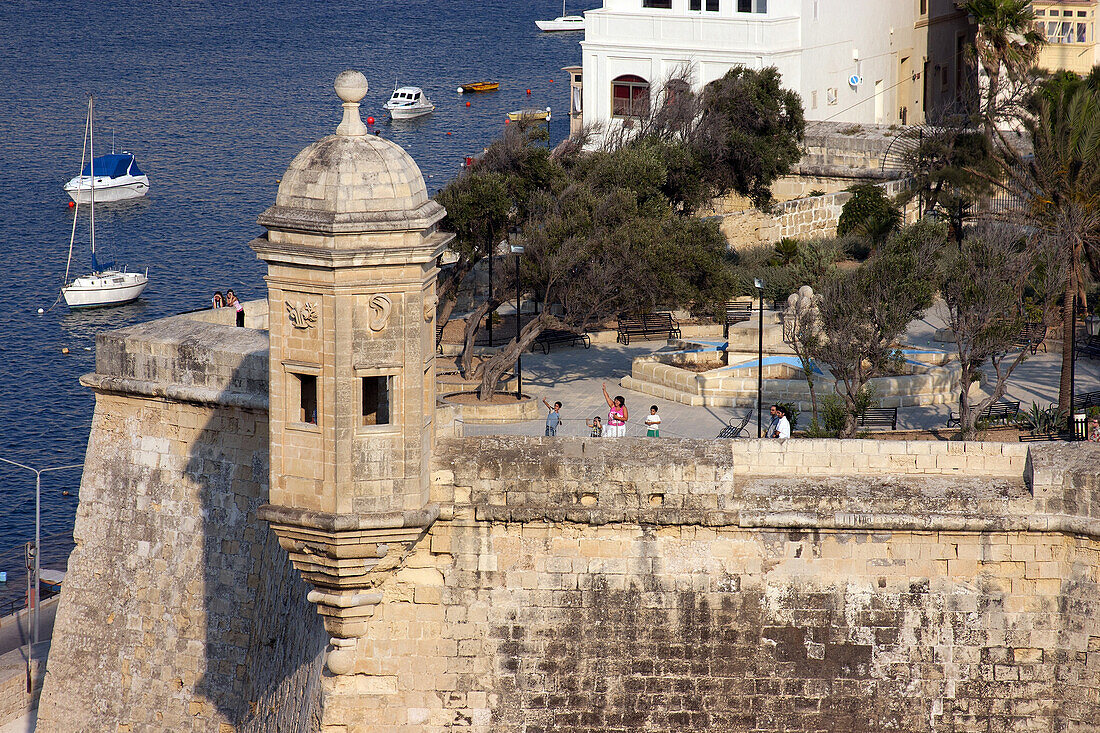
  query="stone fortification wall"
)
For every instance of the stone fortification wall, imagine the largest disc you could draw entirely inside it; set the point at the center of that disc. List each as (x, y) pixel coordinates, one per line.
(627, 585)
(574, 584)
(180, 612)
(804, 218)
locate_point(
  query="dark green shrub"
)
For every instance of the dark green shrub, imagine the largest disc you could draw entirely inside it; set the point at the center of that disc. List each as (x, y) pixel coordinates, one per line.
(868, 213)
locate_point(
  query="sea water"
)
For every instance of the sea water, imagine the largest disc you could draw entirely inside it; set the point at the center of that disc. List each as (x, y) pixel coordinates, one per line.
(215, 99)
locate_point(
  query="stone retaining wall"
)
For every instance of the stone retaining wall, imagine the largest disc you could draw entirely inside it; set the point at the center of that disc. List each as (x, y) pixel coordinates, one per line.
(804, 218)
(725, 388)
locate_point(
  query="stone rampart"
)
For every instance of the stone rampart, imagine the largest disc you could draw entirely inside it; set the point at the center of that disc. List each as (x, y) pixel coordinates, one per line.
(595, 585)
(574, 584)
(180, 611)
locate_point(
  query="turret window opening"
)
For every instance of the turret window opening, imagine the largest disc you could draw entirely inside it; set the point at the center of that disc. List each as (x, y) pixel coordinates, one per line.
(376, 400)
(307, 398)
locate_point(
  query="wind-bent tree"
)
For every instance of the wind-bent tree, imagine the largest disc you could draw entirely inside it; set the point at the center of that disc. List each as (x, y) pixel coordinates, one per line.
(863, 313)
(482, 204)
(478, 208)
(992, 283)
(749, 132)
(738, 134)
(1006, 46)
(1059, 186)
(609, 243)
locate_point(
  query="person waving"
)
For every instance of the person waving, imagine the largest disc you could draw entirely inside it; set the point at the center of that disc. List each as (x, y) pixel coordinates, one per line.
(616, 415)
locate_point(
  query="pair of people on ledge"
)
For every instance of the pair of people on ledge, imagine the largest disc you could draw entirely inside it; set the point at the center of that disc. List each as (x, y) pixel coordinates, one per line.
(230, 300)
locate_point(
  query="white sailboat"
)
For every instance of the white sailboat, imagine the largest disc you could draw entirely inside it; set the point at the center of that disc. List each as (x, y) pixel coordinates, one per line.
(562, 23)
(107, 286)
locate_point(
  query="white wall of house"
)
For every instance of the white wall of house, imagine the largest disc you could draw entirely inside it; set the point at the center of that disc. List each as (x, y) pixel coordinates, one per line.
(816, 45)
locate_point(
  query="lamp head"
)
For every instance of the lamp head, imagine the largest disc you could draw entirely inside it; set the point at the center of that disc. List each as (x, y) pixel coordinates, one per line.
(758, 283)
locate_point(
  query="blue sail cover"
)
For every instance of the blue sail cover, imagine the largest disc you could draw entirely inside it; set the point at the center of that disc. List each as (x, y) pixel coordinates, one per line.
(112, 166)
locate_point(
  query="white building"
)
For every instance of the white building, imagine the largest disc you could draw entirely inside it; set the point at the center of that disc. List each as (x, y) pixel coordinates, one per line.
(860, 61)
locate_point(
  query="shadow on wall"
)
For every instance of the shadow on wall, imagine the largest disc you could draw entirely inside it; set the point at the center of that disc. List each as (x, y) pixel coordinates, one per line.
(264, 641)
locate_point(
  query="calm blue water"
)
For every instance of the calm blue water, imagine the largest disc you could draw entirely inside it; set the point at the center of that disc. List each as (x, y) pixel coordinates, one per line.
(215, 99)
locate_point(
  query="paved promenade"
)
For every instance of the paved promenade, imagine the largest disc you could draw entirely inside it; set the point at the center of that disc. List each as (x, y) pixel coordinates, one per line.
(575, 375)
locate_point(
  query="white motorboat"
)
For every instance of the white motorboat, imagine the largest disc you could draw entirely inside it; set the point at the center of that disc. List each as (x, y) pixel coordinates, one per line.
(562, 23)
(408, 102)
(104, 286)
(116, 178)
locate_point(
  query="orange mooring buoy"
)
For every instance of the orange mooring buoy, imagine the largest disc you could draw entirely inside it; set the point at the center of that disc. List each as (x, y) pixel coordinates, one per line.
(467, 104)
(528, 91)
(72, 204)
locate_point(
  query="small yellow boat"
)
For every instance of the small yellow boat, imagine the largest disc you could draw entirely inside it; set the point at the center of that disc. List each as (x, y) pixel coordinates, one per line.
(529, 115)
(479, 86)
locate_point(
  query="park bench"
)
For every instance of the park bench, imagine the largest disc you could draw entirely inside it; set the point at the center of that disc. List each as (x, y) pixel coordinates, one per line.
(1003, 413)
(1043, 437)
(648, 326)
(735, 312)
(1088, 399)
(735, 427)
(879, 417)
(1031, 336)
(560, 336)
(1089, 347)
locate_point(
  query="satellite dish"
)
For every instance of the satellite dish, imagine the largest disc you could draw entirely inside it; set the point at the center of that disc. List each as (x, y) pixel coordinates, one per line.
(855, 80)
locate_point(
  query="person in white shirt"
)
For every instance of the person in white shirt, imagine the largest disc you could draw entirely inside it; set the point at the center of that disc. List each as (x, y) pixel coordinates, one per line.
(653, 423)
(782, 426)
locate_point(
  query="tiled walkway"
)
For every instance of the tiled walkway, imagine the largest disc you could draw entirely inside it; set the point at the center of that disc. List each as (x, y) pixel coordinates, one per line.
(575, 375)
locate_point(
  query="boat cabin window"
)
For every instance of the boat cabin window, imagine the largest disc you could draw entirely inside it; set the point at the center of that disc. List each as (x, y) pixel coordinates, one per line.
(662, 4)
(376, 400)
(307, 397)
(629, 96)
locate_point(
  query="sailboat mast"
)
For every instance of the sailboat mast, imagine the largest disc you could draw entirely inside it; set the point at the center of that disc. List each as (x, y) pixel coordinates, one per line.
(76, 210)
(91, 150)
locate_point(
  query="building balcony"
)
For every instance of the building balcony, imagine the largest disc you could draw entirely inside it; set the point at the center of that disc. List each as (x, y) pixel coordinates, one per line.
(741, 32)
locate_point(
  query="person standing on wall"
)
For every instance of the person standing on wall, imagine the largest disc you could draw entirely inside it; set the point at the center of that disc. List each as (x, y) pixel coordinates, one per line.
(616, 415)
(653, 423)
(553, 418)
(231, 299)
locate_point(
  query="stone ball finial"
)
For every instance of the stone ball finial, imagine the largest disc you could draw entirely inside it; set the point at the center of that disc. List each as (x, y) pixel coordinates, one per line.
(351, 86)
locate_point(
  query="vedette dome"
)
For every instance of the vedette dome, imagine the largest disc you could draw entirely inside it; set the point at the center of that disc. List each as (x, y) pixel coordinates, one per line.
(352, 180)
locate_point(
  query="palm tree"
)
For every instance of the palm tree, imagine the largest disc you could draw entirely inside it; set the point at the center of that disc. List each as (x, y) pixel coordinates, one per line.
(1006, 43)
(1059, 184)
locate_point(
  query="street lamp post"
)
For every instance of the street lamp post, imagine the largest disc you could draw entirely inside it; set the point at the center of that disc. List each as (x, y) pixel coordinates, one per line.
(760, 362)
(38, 530)
(517, 250)
(492, 251)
